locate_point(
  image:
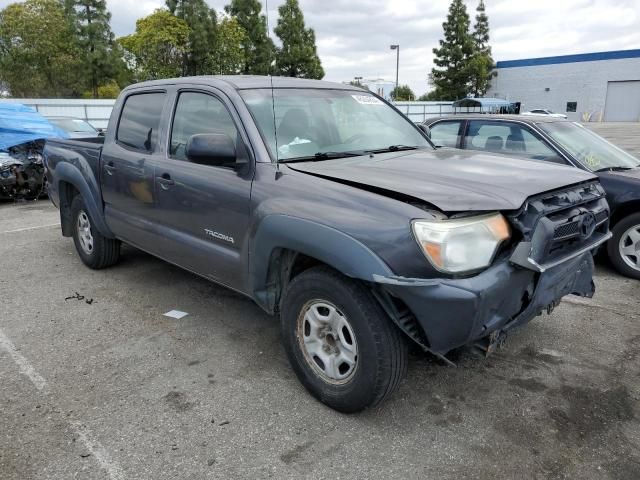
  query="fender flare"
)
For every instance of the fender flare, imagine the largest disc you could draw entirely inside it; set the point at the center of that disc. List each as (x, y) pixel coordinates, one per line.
(88, 188)
(326, 244)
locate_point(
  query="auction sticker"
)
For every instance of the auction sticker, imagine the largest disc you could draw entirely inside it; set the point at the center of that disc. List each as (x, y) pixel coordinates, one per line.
(367, 100)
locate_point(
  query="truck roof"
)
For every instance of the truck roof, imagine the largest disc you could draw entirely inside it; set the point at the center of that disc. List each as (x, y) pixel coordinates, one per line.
(242, 82)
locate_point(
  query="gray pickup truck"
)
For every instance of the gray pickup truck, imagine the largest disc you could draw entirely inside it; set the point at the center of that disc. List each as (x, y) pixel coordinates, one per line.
(327, 206)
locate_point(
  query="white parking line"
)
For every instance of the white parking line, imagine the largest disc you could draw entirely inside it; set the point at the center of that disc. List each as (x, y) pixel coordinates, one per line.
(26, 229)
(85, 436)
(23, 364)
(98, 451)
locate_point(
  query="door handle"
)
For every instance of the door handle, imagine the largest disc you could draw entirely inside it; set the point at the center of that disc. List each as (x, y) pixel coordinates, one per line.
(165, 181)
(110, 168)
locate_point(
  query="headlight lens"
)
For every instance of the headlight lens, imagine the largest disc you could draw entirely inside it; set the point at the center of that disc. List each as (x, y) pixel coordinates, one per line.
(462, 245)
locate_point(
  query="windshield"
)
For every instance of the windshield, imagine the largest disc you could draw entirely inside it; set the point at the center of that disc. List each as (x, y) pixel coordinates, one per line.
(73, 125)
(590, 149)
(300, 123)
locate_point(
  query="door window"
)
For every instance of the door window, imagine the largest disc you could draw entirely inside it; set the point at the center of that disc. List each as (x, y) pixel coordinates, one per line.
(445, 134)
(140, 120)
(198, 113)
(508, 138)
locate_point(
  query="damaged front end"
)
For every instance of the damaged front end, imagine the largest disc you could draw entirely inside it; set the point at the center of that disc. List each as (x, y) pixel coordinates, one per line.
(551, 256)
(22, 172)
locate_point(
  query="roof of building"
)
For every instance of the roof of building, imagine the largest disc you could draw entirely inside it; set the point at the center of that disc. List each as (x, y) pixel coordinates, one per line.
(581, 57)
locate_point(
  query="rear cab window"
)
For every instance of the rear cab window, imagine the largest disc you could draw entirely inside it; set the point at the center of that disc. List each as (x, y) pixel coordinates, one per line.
(140, 121)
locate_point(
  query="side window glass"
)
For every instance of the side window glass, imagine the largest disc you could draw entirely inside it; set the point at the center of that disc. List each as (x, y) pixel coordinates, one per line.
(198, 113)
(487, 136)
(445, 134)
(140, 120)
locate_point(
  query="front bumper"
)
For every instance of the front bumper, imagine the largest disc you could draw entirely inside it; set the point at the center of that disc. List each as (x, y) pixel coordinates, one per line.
(457, 312)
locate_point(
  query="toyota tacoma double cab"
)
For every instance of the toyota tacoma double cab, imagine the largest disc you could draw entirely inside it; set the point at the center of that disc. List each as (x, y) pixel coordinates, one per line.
(328, 207)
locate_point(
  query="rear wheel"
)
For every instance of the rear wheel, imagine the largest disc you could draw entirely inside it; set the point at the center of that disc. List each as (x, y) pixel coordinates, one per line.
(341, 344)
(624, 246)
(95, 250)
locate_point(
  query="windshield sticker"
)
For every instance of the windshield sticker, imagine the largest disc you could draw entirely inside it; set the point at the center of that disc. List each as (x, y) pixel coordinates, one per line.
(367, 100)
(592, 161)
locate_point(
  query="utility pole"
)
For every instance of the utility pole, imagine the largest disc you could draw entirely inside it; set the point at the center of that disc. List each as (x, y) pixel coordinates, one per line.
(397, 49)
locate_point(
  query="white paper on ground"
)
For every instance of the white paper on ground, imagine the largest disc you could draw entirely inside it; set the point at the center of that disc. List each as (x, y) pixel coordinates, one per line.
(177, 314)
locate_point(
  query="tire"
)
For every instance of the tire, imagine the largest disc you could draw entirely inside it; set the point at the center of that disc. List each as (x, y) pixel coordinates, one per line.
(624, 246)
(103, 252)
(326, 298)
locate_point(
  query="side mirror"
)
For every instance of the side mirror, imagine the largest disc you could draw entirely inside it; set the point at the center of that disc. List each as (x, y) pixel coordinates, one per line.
(425, 129)
(214, 149)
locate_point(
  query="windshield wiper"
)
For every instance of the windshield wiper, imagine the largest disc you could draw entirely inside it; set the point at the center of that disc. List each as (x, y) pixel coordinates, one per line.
(319, 156)
(614, 169)
(394, 148)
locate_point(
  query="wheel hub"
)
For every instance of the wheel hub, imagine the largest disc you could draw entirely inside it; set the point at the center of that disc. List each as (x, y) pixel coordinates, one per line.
(630, 247)
(84, 233)
(327, 341)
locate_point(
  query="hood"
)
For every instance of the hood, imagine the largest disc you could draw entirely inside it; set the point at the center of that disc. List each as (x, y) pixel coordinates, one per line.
(633, 174)
(451, 180)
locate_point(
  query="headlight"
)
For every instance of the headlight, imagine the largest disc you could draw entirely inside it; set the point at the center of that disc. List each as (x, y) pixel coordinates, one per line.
(462, 245)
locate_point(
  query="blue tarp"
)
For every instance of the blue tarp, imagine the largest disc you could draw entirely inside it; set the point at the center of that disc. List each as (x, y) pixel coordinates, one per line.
(21, 124)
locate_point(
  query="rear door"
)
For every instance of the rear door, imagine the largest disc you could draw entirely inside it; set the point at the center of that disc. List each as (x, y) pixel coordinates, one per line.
(202, 210)
(127, 175)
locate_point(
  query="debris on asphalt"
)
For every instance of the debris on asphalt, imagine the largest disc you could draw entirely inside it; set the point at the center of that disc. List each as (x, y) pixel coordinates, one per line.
(177, 314)
(211, 461)
(79, 297)
(226, 422)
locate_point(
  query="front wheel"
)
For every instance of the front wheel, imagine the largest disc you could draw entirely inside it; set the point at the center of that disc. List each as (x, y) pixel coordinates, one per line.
(624, 246)
(95, 250)
(341, 344)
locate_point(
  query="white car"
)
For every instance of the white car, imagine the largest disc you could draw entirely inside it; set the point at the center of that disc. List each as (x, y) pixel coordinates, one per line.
(544, 112)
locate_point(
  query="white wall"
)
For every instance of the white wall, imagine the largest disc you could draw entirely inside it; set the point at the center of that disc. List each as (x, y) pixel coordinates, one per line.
(96, 112)
(582, 82)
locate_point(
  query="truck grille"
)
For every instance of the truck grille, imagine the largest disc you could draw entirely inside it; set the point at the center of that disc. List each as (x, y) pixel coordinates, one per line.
(558, 223)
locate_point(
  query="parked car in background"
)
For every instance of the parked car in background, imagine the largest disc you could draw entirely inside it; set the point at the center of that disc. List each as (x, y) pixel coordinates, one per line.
(561, 142)
(544, 112)
(75, 127)
(326, 205)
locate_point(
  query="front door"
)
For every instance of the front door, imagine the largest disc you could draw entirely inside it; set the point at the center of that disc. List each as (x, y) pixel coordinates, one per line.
(204, 210)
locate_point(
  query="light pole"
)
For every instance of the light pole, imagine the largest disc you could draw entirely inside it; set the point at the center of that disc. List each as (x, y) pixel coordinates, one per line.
(397, 49)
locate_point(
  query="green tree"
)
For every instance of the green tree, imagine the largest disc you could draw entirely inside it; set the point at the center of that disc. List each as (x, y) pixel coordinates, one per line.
(157, 48)
(228, 56)
(452, 73)
(202, 23)
(258, 47)
(38, 55)
(402, 93)
(298, 56)
(102, 62)
(481, 62)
